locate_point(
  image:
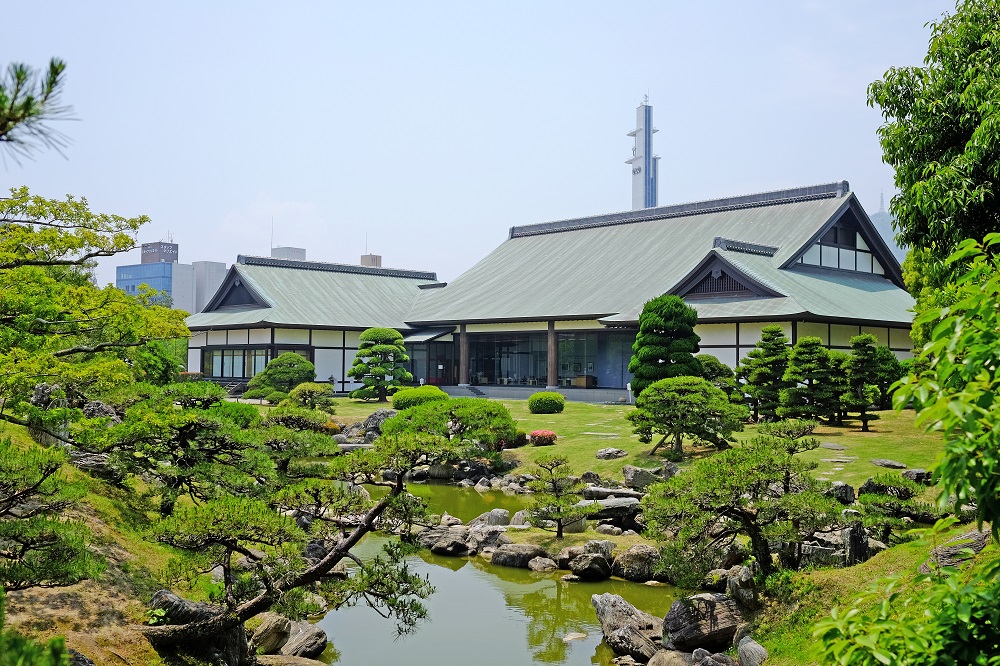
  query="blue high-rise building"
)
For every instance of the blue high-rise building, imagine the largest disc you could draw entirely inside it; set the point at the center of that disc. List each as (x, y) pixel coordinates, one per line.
(644, 162)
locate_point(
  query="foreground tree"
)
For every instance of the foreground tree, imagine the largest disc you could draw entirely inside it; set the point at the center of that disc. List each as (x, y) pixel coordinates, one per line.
(558, 494)
(218, 532)
(380, 364)
(737, 493)
(685, 406)
(665, 344)
(29, 101)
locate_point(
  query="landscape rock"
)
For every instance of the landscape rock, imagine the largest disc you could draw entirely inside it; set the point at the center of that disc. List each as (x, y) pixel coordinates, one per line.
(610, 454)
(742, 587)
(638, 478)
(707, 620)
(492, 517)
(885, 462)
(592, 478)
(450, 521)
(613, 508)
(517, 555)
(483, 485)
(305, 639)
(590, 567)
(286, 660)
(77, 659)
(374, 421)
(627, 630)
(955, 553)
(225, 647)
(481, 537)
(441, 472)
(542, 564)
(603, 547)
(599, 493)
(567, 554)
(637, 564)
(575, 527)
(271, 634)
(95, 409)
(855, 540)
(522, 517)
(751, 653)
(918, 475)
(451, 545)
(669, 470)
(610, 530)
(841, 492)
(671, 658)
(718, 659)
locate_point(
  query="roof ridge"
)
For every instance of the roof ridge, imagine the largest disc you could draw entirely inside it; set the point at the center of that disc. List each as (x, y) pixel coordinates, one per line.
(250, 260)
(773, 198)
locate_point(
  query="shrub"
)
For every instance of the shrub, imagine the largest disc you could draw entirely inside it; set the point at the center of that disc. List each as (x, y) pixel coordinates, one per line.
(546, 402)
(274, 397)
(411, 397)
(258, 393)
(483, 421)
(542, 438)
(520, 439)
(312, 395)
(190, 376)
(298, 418)
(284, 373)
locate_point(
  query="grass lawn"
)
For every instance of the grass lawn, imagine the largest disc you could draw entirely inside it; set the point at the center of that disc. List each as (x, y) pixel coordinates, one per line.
(583, 428)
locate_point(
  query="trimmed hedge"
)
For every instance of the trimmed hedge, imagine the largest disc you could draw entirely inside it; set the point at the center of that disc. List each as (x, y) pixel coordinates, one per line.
(542, 438)
(411, 397)
(477, 419)
(546, 402)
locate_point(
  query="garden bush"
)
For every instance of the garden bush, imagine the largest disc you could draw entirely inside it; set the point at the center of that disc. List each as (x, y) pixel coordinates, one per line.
(520, 439)
(274, 397)
(546, 402)
(312, 395)
(476, 419)
(542, 438)
(411, 397)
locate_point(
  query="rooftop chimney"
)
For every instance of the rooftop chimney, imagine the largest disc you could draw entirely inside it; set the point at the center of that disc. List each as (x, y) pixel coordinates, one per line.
(372, 260)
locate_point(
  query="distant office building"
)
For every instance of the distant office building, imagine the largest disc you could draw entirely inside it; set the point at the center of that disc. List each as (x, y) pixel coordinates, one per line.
(883, 223)
(644, 163)
(290, 253)
(188, 286)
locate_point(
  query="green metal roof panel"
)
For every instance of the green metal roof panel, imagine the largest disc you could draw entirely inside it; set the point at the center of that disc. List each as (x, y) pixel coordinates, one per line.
(320, 295)
(599, 270)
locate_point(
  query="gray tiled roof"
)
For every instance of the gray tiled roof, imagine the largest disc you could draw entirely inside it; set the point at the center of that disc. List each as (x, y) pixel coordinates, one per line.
(319, 294)
(608, 266)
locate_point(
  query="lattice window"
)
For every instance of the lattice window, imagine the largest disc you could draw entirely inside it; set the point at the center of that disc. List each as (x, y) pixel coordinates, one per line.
(718, 282)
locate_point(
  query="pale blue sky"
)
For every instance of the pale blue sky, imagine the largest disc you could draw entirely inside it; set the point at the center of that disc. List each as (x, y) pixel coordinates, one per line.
(433, 127)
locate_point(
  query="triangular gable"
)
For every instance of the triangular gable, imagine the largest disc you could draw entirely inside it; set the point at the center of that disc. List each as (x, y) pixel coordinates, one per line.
(714, 276)
(236, 292)
(853, 215)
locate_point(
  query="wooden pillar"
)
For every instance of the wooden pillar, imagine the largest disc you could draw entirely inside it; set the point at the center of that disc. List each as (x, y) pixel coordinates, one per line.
(552, 376)
(463, 357)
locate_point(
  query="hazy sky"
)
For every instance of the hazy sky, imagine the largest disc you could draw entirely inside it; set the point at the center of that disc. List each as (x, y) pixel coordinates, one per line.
(433, 127)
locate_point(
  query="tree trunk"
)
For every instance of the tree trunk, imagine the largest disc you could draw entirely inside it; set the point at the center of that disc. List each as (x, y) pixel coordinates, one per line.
(559, 528)
(759, 546)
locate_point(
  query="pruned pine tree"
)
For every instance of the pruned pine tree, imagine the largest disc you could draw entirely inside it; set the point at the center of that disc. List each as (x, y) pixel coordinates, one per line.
(767, 371)
(558, 494)
(811, 393)
(665, 344)
(862, 375)
(29, 101)
(380, 364)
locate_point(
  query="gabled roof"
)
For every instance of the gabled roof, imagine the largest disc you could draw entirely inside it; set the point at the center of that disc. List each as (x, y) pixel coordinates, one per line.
(607, 265)
(283, 292)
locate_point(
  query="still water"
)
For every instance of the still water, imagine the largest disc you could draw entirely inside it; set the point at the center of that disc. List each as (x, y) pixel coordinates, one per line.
(483, 614)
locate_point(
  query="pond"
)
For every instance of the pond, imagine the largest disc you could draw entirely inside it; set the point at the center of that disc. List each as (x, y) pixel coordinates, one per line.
(484, 614)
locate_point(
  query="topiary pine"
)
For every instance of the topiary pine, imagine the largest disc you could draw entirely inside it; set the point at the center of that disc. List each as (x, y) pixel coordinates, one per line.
(767, 371)
(379, 365)
(666, 343)
(862, 377)
(812, 394)
(283, 374)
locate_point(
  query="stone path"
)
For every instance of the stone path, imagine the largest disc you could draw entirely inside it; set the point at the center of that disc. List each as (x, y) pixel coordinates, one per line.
(831, 446)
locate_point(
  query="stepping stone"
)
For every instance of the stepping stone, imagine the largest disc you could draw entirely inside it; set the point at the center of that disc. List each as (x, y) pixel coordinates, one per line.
(832, 447)
(842, 461)
(891, 464)
(837, 469)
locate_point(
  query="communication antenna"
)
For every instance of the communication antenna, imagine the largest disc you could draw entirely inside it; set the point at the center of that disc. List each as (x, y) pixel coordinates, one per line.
(366, 241)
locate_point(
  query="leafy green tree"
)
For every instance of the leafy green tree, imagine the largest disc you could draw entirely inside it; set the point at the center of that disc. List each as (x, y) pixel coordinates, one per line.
(558, 494)
(16, 650)
(380, 364)
(37, 546)
(839, 360)
(862, 375)
(218, 532)
(811, 394)
(738, 493)
(313, 396)
(766, 371)
(29, 100)
(665, 344)
(720, 375)
(888, 370)
(282, 374)
(484, 421)
(689, 406)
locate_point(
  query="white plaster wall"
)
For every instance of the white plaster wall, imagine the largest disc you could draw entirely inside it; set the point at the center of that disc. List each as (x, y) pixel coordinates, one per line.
(815, 330)
(716, 334)
(882, 334)
(239, 336)
(750, 331)
(260, 336)
(198, 339)
(292, 336)
(841, 334)
(353, 338)
(513, 327)
(194, 360)
(327, 338)
(217, 337)
(899, 338)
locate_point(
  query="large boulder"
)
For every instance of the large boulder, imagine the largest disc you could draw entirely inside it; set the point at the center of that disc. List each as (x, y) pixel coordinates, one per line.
(481, 537)
(603, 547)
(671, 658)
(751, 653)
(742, 586)
(638, 478)
(855, 540)
(451, 546)
(271, 634)
(77, 659)
(618, 509)
(637, 564)
(577, 526)
(522, 517)
(566, 555)
(955, 553)
(441, 472)
(227, 647)
(590, 567)
(918, 475)
(542, 564)
(492, 517)
(708, 620)
(885, 462)
(599, 493)
(517, 555)
(841, 492)
(305, 639)
(610, 454)
(627, 630)
(286, 660)
(374, 422)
